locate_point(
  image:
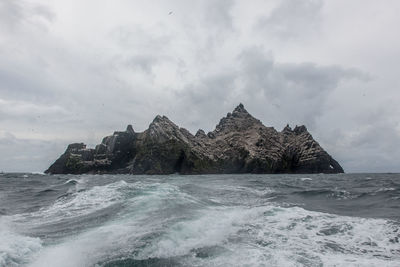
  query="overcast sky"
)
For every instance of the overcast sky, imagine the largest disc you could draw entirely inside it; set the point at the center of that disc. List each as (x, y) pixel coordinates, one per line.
(75, 71)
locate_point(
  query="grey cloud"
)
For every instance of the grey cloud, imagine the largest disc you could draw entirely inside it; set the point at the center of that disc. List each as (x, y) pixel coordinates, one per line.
(142, 62)
(288, 87)
(205, 101)
(137, 38)
(28, 111)
(193, 66)
(44, 12)
(292, 19)
(219, 19)
(10, 13)
(27, 155)
(369, 146)
(68, 90)
(141, 49)
(276, 91)
(207, 25)
(17, 82)
(218, 15)
(218, 86)
(15, 12)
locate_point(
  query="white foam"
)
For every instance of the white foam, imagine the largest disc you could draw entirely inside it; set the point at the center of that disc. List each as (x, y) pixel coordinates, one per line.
(275, 236)
(71, 180)
(38, 173)
(385, 189)
(119, 236)
(240, 195)
(258, 192)
(297, 235)
(15, 249)
(342, 194)
(249, 235)
(82, 250)
(84, 202)
(306, 179)
(212, 227)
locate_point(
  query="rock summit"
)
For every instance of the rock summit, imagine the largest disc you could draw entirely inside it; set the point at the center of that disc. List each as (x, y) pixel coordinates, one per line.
(240, 143)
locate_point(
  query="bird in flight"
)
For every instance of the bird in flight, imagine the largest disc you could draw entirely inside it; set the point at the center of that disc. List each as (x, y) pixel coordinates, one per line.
(170, 13)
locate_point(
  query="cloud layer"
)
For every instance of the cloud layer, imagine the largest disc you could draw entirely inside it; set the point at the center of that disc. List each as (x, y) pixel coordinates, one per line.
(75, 71)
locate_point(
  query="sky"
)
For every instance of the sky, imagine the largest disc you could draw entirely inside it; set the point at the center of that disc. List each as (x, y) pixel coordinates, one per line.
(75, 71)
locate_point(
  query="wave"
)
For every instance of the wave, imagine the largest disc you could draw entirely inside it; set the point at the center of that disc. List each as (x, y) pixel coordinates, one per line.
(386, 189)
(279, 236)
(79, 203)
(38, 173)
(156, 223)
(124, 233)
(16, 249)
(340, 194)
(328, 193)
(234, 236)
(142, 263)
(71, 182)
(46, 192)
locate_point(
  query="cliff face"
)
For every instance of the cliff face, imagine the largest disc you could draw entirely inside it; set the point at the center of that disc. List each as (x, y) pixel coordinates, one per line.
(239, 144)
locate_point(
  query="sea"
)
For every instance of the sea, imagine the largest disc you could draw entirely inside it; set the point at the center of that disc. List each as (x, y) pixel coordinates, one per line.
(200, 220)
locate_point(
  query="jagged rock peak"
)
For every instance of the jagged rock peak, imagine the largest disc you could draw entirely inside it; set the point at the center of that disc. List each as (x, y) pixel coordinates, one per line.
(240, 143)
(200, 134)
(211, 135)
(162, 121)
(300, 129)
(129, 129)
(76, 146)
(287, 129)
(163, 129)
(239, 119)
(241, 112)
(240, 109)
(160, 118)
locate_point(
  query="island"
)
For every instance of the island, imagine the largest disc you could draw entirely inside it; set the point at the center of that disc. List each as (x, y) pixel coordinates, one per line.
(239, 143)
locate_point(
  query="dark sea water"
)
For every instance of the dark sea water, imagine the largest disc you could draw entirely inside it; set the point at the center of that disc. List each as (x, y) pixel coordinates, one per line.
(207, 220)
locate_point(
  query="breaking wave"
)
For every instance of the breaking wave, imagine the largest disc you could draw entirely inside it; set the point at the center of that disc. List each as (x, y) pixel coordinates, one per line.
(179, 221)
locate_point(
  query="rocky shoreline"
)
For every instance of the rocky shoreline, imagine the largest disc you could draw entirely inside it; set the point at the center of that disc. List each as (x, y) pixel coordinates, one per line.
(240, 143)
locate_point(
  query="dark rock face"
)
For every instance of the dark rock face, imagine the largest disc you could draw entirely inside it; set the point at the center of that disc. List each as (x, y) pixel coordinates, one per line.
(239, 144)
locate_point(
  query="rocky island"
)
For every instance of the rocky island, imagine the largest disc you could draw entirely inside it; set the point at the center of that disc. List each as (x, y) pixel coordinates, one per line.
(240, 143)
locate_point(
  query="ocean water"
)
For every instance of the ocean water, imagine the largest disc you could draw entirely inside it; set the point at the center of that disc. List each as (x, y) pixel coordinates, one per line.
(200, 220)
